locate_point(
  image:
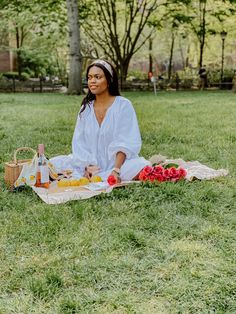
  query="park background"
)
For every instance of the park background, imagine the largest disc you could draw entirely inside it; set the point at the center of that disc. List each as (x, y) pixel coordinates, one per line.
(165, 248)
(55, 40)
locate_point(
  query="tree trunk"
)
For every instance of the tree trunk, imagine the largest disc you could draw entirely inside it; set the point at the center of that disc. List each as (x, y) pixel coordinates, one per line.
(19, 60)
(150, 55)
(124, 66)
(75, 74)
(171, 56)
(202, 7)
(187, 56)
(181, 53)
(201, 54)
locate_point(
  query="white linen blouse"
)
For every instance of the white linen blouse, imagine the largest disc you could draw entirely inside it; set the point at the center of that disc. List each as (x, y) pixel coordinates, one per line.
(95, 144)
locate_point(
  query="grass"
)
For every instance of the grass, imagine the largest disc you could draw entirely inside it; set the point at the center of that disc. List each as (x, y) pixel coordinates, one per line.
(142, 249)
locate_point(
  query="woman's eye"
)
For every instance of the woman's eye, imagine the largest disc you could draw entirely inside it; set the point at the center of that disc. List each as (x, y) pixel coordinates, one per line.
(96, 77)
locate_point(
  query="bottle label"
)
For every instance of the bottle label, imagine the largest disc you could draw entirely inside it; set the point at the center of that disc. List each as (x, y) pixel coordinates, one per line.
(44, 174)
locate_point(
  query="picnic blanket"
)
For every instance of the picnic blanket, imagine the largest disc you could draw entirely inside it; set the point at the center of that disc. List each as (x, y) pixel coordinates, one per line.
(195, 170)
(58, 195)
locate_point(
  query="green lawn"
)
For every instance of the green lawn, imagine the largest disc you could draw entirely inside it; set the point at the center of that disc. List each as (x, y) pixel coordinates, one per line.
(142, 249)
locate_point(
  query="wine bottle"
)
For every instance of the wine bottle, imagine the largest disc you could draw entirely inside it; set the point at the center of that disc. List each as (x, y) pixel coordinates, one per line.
(42, 175)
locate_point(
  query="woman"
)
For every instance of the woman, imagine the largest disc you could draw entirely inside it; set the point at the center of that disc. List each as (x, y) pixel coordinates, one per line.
(106, 139)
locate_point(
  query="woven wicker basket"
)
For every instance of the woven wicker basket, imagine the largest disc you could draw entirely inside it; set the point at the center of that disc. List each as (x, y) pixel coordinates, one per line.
(13, 168)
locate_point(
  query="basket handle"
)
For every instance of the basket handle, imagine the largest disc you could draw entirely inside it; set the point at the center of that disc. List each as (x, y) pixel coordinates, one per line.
(22, 149)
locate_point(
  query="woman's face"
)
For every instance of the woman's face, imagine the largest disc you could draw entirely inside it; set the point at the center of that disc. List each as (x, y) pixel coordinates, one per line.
(97, 81)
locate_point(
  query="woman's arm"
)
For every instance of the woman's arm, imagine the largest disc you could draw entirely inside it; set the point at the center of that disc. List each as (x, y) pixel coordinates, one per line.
(120, 159)
(126, 137)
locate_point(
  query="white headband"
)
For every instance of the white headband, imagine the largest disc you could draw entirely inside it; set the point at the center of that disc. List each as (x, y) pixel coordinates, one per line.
(105, 64)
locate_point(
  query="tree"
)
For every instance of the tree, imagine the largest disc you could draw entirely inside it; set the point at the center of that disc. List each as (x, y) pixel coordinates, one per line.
(200, 30)
(186, 48)
(172, 20)
(117, 26)
(205, 16)
(17, 14)
(31, 21)
(75, 75)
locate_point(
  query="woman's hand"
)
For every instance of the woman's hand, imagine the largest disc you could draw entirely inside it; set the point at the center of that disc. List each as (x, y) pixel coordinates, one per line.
(91, 170)
(116, 175)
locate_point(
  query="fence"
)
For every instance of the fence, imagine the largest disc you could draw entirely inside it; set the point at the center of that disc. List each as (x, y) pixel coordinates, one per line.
(175, 84)
(36, 85)
(32, 85)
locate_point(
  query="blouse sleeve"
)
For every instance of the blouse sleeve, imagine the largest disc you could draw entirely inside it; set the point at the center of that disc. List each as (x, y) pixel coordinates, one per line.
(127, 137)
(80, 147)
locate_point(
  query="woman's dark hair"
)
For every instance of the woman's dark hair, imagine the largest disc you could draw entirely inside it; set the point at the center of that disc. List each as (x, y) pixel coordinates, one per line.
(112, 80)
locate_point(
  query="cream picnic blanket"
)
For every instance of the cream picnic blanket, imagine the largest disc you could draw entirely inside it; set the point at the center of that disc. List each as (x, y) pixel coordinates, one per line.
(57, 195)
(195, 170)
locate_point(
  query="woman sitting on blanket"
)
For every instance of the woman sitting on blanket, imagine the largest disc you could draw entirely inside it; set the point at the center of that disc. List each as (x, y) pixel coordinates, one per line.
(106, 139)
